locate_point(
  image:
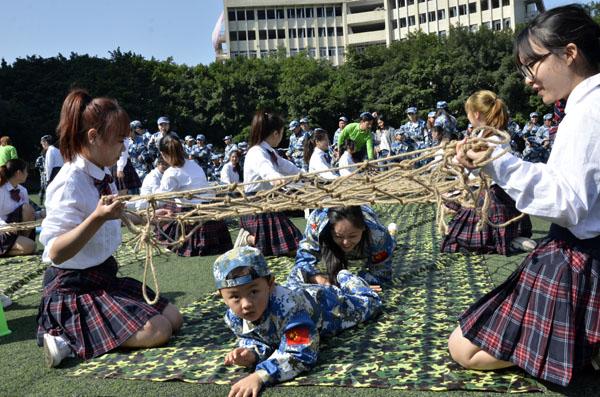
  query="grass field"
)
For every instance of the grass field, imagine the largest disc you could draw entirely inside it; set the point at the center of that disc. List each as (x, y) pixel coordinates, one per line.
(184, 280)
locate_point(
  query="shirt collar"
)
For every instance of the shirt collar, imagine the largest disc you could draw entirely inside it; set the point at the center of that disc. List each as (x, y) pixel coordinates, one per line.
(90, 168)
(582, 90)
(266, 146)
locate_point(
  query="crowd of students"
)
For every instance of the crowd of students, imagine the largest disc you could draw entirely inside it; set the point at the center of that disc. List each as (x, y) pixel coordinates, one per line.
(545, 318)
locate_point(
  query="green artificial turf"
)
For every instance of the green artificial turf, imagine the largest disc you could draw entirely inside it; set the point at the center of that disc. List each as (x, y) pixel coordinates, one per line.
(185, 280)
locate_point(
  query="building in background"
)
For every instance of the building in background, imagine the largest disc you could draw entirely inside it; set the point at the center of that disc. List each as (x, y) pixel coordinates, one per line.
(325, 29)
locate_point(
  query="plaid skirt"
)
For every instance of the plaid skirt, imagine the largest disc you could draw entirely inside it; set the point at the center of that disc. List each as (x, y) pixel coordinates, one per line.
(274, 232)
(545, 318)
(7, 240)
(93, 309)
(131, 179)
(462, 233)
(212, 238)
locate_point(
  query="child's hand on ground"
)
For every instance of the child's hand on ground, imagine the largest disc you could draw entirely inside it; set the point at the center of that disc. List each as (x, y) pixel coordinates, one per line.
(249, 386)
(109, 207)
(241, 356)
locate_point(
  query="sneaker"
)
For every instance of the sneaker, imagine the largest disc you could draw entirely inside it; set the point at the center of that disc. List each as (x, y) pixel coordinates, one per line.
(6, 302)
(523, 244)
(56, 349)
(242, 238)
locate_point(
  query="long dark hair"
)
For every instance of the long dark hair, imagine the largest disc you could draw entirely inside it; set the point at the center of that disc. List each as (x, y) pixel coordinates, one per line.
(9, 169)
(264, 123)
(556, 28)
(332, 254)
(236, 168)
(170, 147)
(318, 135)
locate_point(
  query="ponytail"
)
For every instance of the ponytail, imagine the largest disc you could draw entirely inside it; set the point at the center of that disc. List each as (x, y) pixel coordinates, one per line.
(9, 169)
(264, 123)
(488, 104)
(80, 113)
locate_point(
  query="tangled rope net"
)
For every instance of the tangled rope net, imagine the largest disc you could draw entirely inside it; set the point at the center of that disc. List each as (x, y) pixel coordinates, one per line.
(428, 175)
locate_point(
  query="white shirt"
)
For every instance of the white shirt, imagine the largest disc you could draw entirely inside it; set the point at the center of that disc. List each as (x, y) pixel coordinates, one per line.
(122, 161)
(564, 191)
(149, 185)
(318, 162)
(70, 199)
(346, 160)
(7, 204)
(228, 175)
(189, 177)
(52, 160)
(258, 165)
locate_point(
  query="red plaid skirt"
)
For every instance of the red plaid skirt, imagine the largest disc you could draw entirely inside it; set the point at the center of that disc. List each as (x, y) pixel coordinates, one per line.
(274, 232)
(462, 233)
(212, 238)
(546, 317)
(93, 309)
(131, 179)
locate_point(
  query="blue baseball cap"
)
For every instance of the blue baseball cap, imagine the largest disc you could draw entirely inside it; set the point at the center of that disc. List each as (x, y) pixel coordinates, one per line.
(534, 114)
(398, 132)
(135, 124)
(411, 109)
(430, 114)
(548, 116)
(226, 137)
(188, 138)
(239, 257)
(303, 120)
(441, 105)
(344, 119)
(293, 125)
(243, 145)
(209, 146)
(366, 116)
(200, 137)
(163, 120)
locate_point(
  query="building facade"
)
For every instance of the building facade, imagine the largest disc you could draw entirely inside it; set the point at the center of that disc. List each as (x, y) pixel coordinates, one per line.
(325, 29)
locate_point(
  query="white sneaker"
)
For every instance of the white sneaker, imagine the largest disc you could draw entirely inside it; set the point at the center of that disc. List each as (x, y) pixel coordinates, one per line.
(6, 302)
(242, 238)
(56, 349)
(523, 244)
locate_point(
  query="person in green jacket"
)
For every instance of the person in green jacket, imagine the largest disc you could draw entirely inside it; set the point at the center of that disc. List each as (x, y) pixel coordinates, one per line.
(7, 150)
(360, 133)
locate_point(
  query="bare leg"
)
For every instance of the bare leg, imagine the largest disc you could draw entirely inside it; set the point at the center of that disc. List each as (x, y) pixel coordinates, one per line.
(174, 316)
(22, 246)
(470, 356)
(156, 332)
(251, 240)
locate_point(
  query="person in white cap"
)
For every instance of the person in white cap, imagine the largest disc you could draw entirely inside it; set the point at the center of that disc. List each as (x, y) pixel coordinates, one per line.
(532, 125)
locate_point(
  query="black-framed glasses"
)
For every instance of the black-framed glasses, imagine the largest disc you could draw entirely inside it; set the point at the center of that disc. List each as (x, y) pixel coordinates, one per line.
(526, 70)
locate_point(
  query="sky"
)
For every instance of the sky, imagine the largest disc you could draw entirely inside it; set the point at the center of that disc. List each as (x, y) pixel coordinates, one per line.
(180, 29)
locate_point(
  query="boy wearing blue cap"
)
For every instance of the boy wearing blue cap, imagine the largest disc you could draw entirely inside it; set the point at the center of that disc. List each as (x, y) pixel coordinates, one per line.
(295, 152)
(444, 119)
(279, 328)
(360, 134)
(414, 128)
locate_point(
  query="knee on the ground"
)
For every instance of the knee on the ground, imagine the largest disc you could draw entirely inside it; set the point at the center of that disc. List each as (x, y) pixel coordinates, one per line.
(174, 316)
(459, 349)
(157, 331)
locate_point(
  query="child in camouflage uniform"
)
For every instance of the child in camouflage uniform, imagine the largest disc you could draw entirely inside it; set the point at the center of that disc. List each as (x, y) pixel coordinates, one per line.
(279, 328)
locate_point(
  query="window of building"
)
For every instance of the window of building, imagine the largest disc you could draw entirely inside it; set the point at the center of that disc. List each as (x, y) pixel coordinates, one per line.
(495, 3)
(242, 35)
(323, 52)
(505, 3)
(291, 13)
(472, 8)
(423, 18)
(322, 32)
(332, 52)
(312, 52)
(292, 33)
(320, 12)
(262, 34)
(251, 35)
(280, 14)
(421, 1)
(250, 15)
(400, 3)
(261, 14)
(293, 51)
(301, 32)
(453, 12)
(329, 11)
(310, 32)
(340, 51)
(241, 15)
(462, 9)
(496, 24)
(485, 5)
(299, 12)
(339, 31)
(231, 15)
(402, 22)
(270, 13)
(281, 33)
(233, 35)
(441, 14)
(330, 32)
(411, 20)
(473, 28)
(338, 11)
(252, 54)
(308, 12)
(233, 54)
(431, 16)
(506, 23)
(442, 33)
(264, 53)
(410, 2)
(487, 24)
